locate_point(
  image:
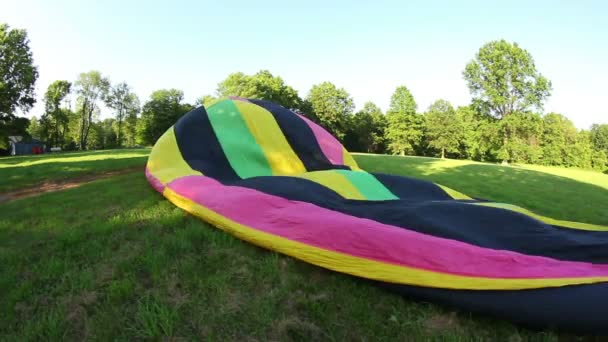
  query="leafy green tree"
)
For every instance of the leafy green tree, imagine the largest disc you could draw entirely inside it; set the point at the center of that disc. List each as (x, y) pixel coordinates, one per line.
(205, 100)
(34, 128)
(405, 127)
(18, 76)
(443, 127)
(599, 161)
(332, 106)
(503, 79)
(90, 87)
(480, 135)
(366, 130)
(262, 85)
(131, 119)
(523, 132)
(124, 102)
(580, 152)
(559, 135)
(55, 117)
(599, 137)
(163, 109)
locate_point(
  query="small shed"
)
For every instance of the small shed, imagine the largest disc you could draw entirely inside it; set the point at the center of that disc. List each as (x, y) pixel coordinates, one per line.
(21, 146)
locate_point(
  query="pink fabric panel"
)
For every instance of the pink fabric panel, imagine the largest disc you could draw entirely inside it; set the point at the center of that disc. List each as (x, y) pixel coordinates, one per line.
(330, 146)
(331, 230)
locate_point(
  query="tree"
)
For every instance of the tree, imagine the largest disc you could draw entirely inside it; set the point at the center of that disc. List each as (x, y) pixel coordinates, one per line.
(124, 102)
(523, 133)
(55, 117)
(332, 106)
(366, 130)
(263, 86)
(405, 127)
(90, 87)
(559, 134)
(599, 137)
(34, 129)
(205, 100)
(18, 74)
(503, 80)
(161, 112)
(443, 127)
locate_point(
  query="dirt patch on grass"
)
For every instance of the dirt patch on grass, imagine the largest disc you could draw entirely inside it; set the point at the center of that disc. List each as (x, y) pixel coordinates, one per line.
(63, 184)
(442, 323)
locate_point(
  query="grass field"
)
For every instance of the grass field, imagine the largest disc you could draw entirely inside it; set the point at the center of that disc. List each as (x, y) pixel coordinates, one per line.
(22, 171)
(113, 260)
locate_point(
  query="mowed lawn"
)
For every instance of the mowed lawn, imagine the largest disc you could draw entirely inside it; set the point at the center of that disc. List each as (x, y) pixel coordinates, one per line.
(24, 171)
(113, 260)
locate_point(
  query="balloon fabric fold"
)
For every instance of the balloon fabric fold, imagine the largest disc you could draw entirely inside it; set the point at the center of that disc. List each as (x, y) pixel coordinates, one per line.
(275, 179)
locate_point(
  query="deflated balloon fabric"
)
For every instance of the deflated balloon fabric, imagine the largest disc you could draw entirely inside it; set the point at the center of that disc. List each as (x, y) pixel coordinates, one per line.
(276, 179)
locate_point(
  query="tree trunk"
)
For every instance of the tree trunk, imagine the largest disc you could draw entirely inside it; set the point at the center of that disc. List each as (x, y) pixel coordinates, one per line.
(443, 153)
(82, 142)
(120, 115)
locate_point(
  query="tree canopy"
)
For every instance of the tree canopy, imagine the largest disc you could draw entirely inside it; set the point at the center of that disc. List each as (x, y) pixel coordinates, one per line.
(332, 107)
(90, 87)
(18, 74)
(404, 129)
(123, 101)
(503, 79)
(444, 129)
(161, 112)
(262, 85)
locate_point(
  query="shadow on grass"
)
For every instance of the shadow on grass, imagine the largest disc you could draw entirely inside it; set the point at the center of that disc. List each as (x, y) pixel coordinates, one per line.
(547, 194)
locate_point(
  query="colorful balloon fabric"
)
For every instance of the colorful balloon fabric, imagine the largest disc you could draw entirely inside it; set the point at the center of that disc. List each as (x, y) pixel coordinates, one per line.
(274, 178)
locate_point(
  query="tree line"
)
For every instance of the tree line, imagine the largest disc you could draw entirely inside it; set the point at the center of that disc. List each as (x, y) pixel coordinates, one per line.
(503, 123)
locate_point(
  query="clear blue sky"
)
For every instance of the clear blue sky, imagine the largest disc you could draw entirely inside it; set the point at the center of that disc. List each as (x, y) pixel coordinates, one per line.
(367, 47)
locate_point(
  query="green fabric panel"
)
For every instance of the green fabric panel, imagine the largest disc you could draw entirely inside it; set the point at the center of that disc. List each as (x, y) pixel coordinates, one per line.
(368, 185)
(243, 152)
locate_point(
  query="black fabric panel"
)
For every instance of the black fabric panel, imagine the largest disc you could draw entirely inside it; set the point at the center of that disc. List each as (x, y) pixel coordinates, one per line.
(477, 225)
(577, 309)
(411, 188)
(300, 137)
(199, 146)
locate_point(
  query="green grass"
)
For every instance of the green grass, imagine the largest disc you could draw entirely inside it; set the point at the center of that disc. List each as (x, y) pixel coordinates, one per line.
(23, 171)
(113, 260)
(566, 194)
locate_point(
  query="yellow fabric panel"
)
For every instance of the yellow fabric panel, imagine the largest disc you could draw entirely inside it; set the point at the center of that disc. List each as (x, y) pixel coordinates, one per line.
(349, 160)
(335, 181)
(453, 193)
(362, 267)
(267, 133)
(545, 219)
(166, 162)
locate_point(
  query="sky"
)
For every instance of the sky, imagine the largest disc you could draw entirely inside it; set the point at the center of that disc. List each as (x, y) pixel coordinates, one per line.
(367, 47)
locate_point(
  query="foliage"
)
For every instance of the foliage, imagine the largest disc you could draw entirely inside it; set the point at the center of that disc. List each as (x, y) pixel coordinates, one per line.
(205, 100)
(503, 79)
(443, 127)
(90, 87)
(599, 137)
(56, 118)
(18, 74)
(125, 103)
(522, 138)
(262, 85)
(366, 131)
(405, 127)
(332, 106)
(163, 109)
